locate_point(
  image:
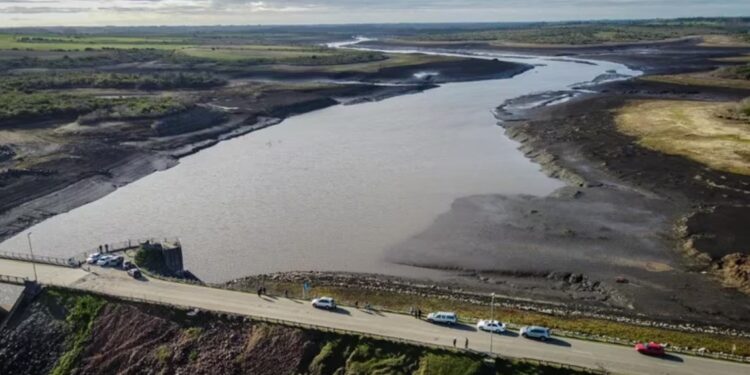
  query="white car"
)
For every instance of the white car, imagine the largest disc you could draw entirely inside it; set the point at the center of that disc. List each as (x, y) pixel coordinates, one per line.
(443, 317)
(491, 326)
(327, 303)
(93, 258)
(535, 332)
(103, 260)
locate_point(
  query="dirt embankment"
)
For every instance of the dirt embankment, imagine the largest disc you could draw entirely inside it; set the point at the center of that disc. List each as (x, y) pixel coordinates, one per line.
(129, 338)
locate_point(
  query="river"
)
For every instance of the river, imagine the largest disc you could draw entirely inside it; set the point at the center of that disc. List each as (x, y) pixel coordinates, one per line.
(327, 190)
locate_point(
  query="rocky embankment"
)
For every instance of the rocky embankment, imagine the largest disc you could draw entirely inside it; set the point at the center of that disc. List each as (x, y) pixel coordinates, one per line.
(64, 332)
(450, 291)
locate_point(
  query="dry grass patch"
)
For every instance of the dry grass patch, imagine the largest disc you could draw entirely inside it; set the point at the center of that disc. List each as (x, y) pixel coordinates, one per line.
(723, 40)
(699, 131)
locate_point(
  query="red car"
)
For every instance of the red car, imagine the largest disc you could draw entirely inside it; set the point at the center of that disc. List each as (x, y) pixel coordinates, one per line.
(652, 348)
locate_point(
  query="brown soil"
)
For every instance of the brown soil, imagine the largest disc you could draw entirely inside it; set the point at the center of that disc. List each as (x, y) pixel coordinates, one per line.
(127, 340)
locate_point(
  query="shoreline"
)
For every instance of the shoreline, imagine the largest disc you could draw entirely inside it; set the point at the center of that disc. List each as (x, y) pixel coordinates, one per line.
(161, 156)
(593, 185)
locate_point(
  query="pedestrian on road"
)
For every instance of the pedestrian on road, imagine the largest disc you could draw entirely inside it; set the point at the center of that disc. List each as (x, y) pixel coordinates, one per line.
(454, 342)
(419, 313)
(356, 304)
(466, 346)
(286, 293)
(260, 291)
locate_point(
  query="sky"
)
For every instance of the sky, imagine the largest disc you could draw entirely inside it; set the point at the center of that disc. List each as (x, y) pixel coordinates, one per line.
(15, 13)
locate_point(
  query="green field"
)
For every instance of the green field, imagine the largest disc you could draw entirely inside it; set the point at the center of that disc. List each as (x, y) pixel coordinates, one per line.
(591, 33)
(61, 43)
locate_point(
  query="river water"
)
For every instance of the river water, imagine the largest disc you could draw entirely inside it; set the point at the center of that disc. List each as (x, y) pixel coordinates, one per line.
(328, 190)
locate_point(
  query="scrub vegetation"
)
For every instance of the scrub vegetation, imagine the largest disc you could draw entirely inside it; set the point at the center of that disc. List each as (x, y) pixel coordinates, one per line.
(17, 106)
(736, 77)
(592, 33)
(67, 80)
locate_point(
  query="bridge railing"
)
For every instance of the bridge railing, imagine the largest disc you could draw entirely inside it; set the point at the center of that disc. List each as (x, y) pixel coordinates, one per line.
(13, 279)
(55, 261)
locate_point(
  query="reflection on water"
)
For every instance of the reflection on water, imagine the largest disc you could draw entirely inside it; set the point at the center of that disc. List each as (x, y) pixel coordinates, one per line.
(328, 190)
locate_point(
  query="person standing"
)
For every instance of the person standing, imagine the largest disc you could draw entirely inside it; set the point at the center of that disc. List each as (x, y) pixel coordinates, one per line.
(466, 345)
(454, 342)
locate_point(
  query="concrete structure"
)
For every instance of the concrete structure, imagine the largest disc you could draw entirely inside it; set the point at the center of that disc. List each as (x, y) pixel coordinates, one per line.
(171, 252)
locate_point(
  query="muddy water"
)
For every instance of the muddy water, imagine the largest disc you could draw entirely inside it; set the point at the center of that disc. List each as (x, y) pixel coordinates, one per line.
(328, 190)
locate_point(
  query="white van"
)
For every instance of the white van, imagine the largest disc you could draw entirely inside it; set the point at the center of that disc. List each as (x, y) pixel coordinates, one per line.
(442, 317)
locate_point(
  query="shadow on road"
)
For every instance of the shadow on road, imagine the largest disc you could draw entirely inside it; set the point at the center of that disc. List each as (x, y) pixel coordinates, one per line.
(671, 357)
(458, 327)
(558, 342)
(509, 333)
(339, 310)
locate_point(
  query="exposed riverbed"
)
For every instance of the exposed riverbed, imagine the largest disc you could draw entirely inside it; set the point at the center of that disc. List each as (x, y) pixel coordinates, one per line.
(329, 190)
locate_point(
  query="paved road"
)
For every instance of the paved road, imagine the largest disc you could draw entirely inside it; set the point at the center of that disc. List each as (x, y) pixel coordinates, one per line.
(615, 359)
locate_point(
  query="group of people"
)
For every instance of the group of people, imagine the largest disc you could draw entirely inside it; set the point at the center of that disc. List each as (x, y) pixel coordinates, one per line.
(415, 312)
(466, 343)
(261, 291)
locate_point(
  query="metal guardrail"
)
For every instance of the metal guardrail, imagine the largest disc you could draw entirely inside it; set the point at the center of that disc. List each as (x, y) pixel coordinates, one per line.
(13, 279)
(69, 262)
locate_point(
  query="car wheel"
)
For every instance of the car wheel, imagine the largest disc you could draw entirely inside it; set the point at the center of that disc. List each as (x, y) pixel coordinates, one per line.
(544, 338)
(524, 335)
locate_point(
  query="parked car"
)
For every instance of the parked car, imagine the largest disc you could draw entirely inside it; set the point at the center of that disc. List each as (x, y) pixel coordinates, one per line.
(93, 258)
(327, 303)
(535, 332)
(127, 265)
(116, 261)
(491, 326)
(443, 317)
(135, 273)
(103, 260)
(652, 348)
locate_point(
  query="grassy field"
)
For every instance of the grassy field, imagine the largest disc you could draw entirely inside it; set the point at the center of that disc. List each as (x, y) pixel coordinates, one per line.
(710, 133)
(62, 43)
(718, 32)
(470, 312)
(699, 79)
(736, 76)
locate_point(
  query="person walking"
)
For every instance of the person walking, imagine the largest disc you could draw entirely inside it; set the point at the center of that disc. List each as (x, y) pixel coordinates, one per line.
(466, 345)
(454, 342)
(260, 291)
(419, 313)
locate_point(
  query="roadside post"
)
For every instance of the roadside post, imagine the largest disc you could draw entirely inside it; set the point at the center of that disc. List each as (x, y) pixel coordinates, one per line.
(492, 318)
(31, 251)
